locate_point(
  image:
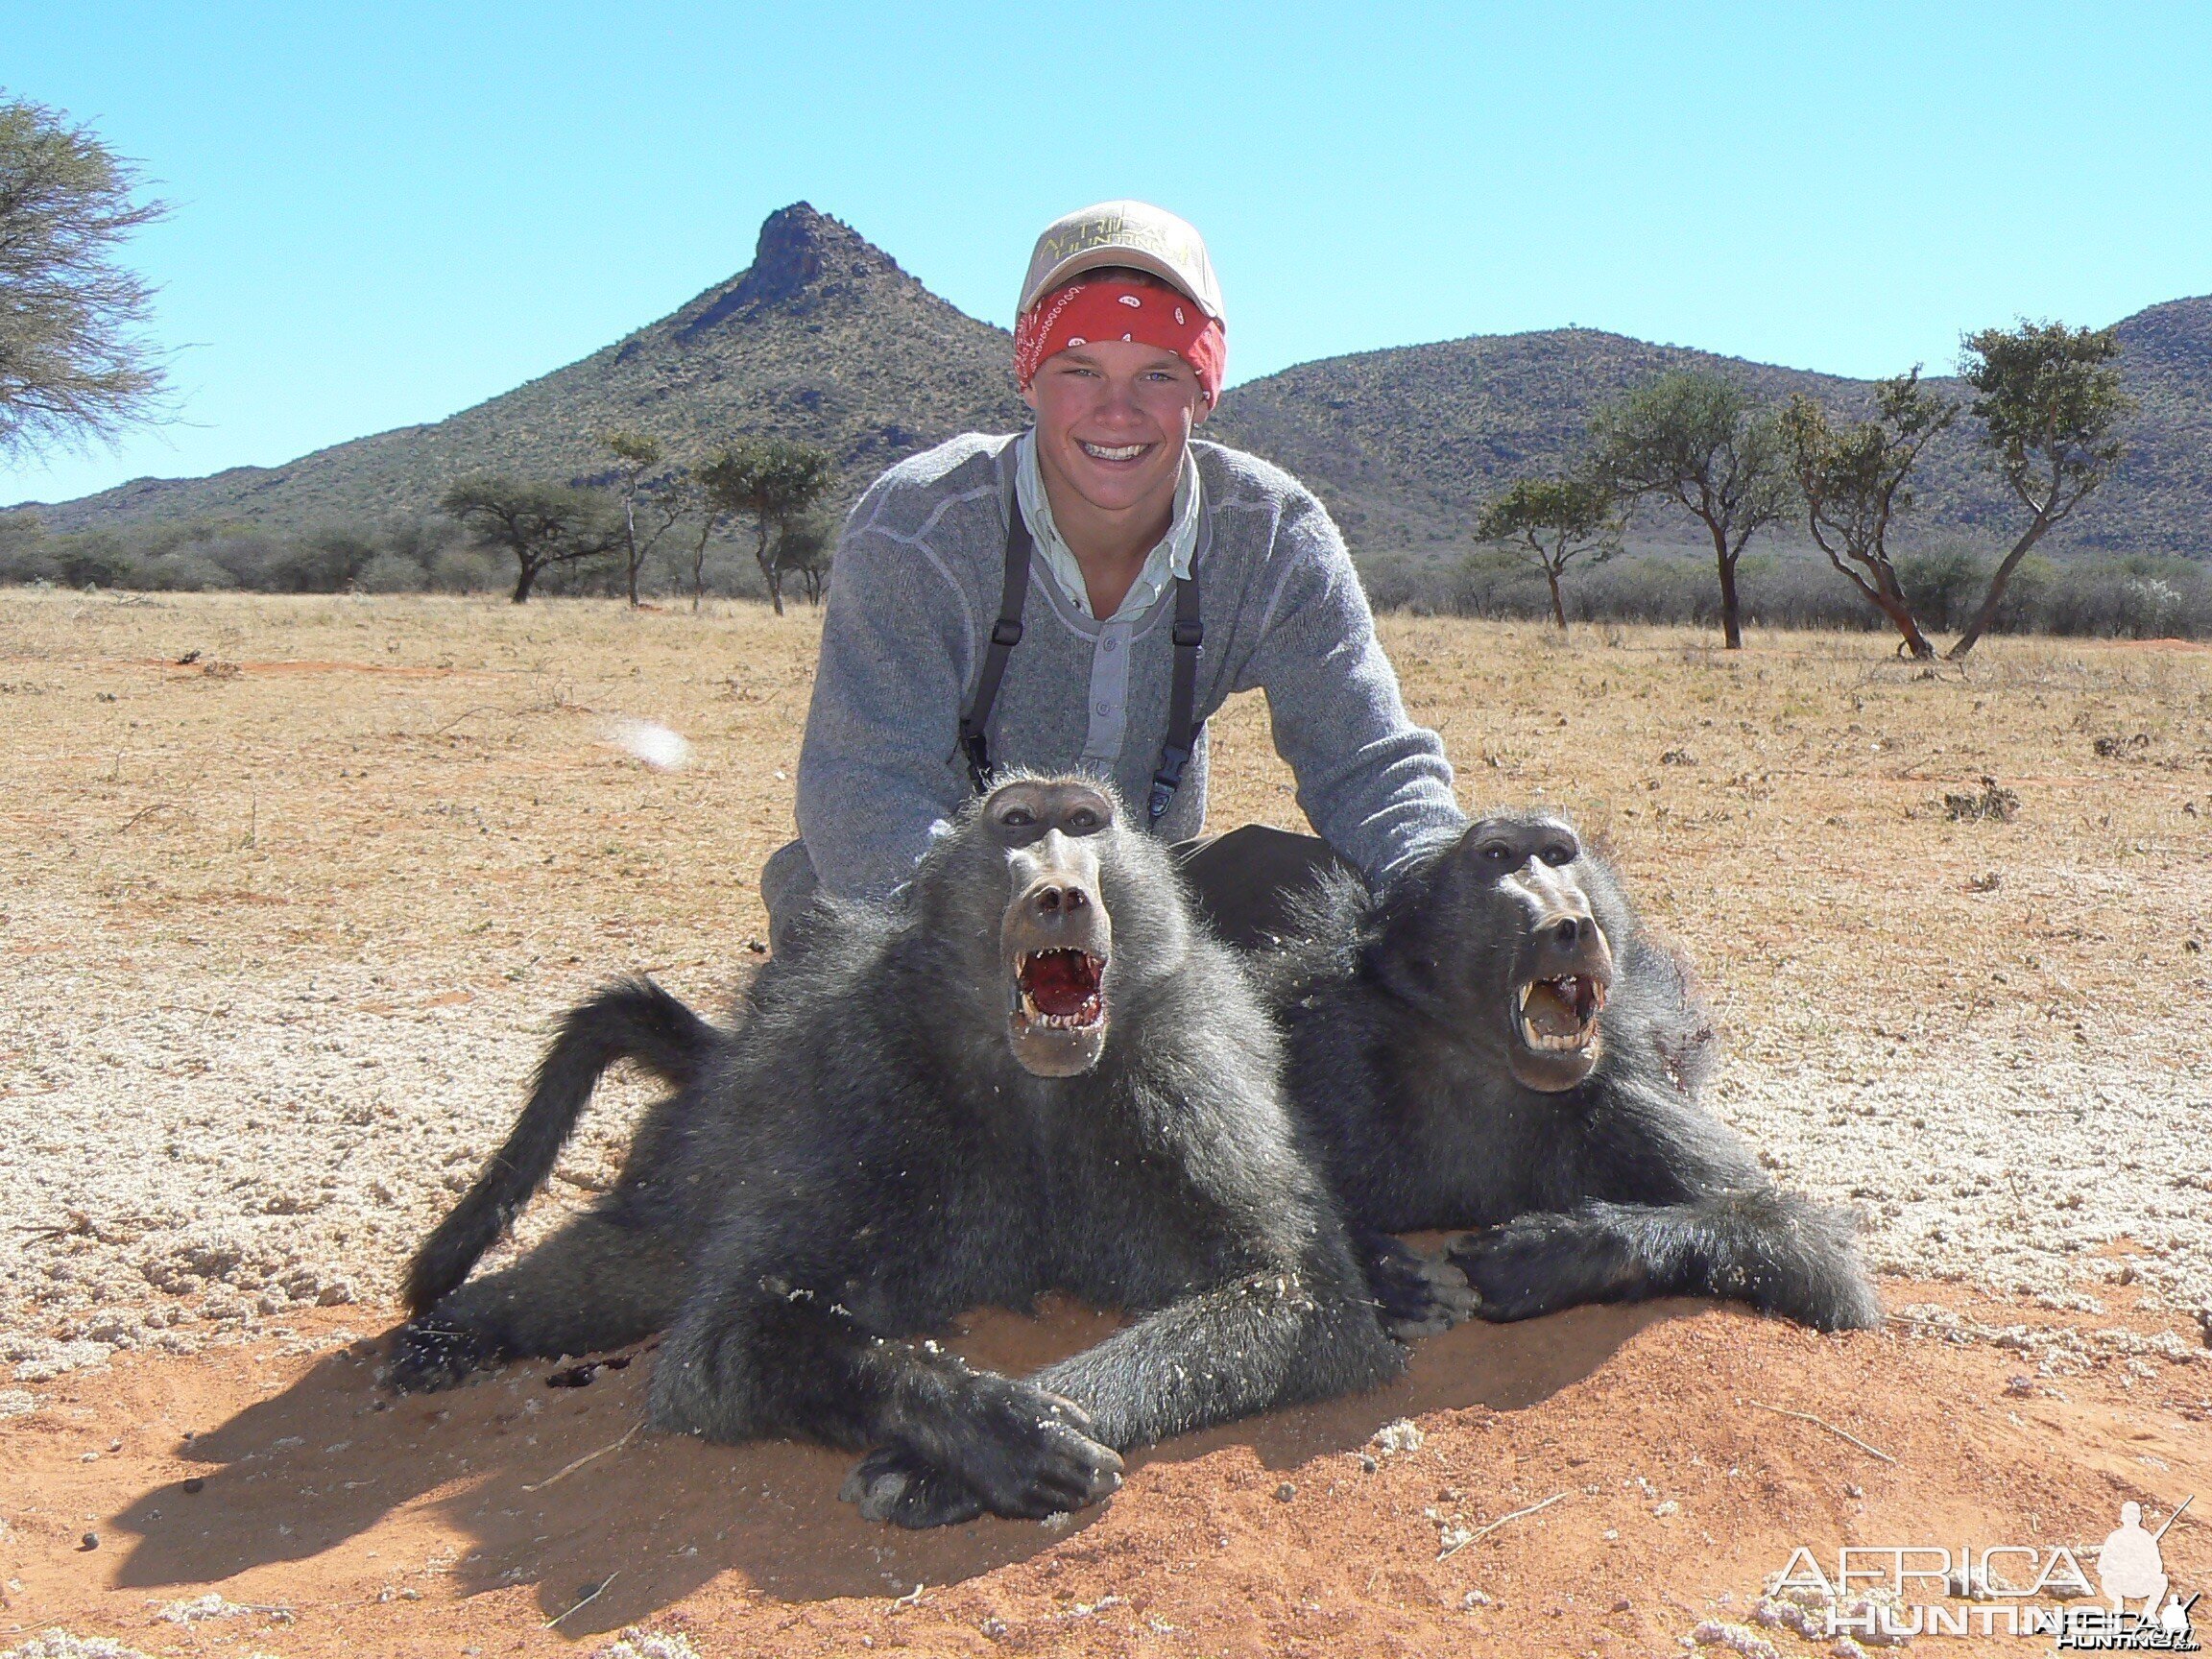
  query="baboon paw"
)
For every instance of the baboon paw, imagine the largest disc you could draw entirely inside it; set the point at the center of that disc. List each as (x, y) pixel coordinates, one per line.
(430, 1353)
(1536, 1265)
(1416, 1294)
(894, 1485)
(1026, 1453)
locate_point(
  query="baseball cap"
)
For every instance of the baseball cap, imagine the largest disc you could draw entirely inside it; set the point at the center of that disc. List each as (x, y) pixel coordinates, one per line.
(1132, 234)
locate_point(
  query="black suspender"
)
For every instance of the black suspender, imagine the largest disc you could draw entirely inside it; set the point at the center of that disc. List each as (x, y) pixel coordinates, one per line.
(1182, 699)
(1189, 634)
(1005, 635)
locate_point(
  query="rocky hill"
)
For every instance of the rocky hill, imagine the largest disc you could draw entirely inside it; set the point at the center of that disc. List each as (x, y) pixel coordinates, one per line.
(1407, 442)
(822, 338)
(825, 338)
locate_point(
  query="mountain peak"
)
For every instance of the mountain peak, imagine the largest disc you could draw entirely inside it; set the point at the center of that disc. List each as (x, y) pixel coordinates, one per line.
(802, 256)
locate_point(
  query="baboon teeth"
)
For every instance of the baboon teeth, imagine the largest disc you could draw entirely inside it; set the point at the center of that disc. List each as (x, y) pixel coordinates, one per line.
(1574, 997)
(1059, 989)
(1567, 1044)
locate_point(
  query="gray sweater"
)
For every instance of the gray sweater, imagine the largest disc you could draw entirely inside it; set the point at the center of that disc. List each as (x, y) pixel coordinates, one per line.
(915, 589)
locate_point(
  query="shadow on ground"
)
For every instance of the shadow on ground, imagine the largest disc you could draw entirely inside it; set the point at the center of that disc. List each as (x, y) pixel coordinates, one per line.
(652, 1517)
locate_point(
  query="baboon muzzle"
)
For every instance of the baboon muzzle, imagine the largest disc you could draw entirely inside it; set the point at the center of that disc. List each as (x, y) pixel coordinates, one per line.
(1055, 943)
(1567, 974)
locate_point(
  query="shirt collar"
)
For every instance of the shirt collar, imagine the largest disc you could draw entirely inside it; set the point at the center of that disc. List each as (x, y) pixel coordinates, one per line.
(1167, 562)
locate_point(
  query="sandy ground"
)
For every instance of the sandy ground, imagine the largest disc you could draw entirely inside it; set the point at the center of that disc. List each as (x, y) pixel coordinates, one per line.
(282, 925)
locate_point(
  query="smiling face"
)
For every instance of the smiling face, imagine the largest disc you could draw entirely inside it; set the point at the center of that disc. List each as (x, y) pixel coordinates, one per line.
(1113, 418)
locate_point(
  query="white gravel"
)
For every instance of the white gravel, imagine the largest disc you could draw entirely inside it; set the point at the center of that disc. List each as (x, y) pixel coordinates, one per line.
(200, 1160)
(1997, 1156)
(204, 1159)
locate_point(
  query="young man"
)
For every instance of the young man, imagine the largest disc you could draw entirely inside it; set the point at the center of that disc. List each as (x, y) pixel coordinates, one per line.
(1082, 597)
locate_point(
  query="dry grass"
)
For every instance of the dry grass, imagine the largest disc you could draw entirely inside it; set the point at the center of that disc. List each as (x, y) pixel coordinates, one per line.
(1781, 810)
(420, 780)
(395, 817)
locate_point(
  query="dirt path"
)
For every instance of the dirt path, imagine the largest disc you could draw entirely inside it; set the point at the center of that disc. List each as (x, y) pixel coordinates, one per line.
(336, 1521)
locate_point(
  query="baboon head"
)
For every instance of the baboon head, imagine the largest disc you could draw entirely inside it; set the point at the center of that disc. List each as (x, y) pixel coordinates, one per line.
(1511, 945)
(1054, 917)
(1056, 939)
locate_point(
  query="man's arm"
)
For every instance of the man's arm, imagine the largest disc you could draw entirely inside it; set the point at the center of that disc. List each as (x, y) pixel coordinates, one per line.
(888, 689)
(1374, 785)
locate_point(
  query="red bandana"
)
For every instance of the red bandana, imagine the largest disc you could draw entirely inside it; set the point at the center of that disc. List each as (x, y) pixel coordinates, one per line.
(1114, 310)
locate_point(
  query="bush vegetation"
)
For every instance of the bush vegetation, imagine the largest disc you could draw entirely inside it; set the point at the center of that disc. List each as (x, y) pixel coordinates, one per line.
(2100, 595)
(429, 554)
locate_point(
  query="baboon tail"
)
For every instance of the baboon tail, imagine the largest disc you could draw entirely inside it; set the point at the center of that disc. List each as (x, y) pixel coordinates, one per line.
(630, 1019)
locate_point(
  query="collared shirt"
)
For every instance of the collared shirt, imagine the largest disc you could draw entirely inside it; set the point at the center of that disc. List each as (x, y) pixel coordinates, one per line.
(1169, 562)
(920, 574)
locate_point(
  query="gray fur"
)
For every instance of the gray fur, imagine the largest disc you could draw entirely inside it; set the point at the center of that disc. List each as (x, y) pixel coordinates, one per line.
(861, 1157)
(1613, 1187)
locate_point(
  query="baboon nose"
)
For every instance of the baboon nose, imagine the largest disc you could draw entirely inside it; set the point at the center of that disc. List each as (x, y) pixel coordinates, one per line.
(1568, 930)
(1052, 901)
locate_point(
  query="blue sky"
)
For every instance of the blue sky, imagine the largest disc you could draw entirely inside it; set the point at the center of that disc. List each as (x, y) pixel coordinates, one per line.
(383, 215)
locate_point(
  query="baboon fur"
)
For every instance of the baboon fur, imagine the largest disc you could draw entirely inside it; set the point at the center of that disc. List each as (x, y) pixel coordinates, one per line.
(860, 1157)
(1402, 1016)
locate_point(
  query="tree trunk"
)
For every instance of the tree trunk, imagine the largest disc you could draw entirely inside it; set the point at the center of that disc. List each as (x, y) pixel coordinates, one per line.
(1558, 610)
(1907, 625)
(528, 574)
(630, 539)
(1731, 613)
(1996, 594)
(768, 569)
(699, 564)
(1888, 596)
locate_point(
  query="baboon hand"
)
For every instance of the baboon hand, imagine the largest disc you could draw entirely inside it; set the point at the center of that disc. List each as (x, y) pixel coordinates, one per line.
(1541, 1262)
(894, 1484)
(1416, 1294)
(1023, 1453)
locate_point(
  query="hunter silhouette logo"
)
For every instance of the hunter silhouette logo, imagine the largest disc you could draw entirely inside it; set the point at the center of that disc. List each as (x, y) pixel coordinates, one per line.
(1890, 1593)
(2130, 1565)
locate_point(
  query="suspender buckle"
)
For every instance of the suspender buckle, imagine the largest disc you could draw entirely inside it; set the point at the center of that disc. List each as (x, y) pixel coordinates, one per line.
(1006, 631)
(1188, 635)
(1164, 781)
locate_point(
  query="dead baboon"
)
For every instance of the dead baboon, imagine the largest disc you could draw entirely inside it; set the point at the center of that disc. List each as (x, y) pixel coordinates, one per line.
(1492, 1042)
(1030, 1072)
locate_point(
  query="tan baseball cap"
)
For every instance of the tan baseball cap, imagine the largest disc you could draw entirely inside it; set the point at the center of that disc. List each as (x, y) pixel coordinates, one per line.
(1132, 234)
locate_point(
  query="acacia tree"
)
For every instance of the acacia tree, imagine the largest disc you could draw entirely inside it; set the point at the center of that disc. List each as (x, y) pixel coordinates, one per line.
(1705, 445)
(2050, 402)
(543, 525)
(73, 364)
(689, 498)
(1853, 482)
(773, 482)
(637, 455)
(1552, 521)
(804, 545)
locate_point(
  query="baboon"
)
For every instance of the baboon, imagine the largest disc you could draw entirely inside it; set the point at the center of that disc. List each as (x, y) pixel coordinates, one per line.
(1029, 1071)
(1492, 1042)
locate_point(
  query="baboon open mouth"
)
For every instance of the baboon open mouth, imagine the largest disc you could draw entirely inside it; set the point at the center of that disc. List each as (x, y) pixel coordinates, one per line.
(1060, 989)
(1560, 1016)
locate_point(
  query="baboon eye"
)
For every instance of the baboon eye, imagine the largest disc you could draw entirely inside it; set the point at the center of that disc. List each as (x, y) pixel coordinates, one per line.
(1083, 820)
(1493, 852)
(1561, 852)
(1017, 817)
